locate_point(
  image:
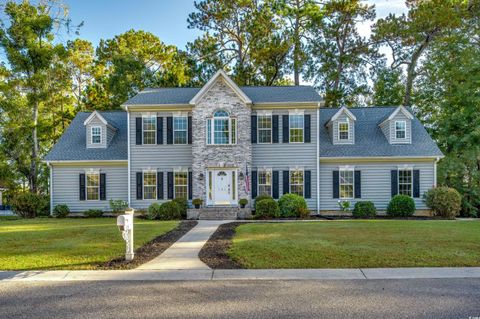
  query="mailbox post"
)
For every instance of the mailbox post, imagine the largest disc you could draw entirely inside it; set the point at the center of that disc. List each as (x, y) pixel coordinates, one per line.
(125, 225)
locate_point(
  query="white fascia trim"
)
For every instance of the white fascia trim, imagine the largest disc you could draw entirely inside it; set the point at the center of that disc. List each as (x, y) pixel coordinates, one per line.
(345, 110)
(405, 167)
(296, 112)
(229, 82)
(346, 167)
(93, 115)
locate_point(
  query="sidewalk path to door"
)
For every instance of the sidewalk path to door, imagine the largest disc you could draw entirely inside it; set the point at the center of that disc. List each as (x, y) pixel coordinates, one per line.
(183, 254)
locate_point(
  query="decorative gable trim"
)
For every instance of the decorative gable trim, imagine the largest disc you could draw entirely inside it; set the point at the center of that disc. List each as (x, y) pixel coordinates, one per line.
(342, 110)
(397, 110)
(97, 115)
(230, 83)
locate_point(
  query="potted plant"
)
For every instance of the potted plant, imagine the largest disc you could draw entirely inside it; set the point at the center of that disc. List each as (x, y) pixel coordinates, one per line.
(243, 202)
(197, 202)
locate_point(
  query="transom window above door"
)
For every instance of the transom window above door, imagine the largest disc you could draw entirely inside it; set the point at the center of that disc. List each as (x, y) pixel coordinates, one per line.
(221, 129)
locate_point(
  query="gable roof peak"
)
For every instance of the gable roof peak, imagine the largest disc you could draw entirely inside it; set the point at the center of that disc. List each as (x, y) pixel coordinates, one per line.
(402, 109)
(342, 110)
(220, 73)
(97, 115)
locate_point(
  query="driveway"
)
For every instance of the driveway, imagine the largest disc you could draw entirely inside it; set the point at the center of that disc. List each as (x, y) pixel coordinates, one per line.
(412, 298)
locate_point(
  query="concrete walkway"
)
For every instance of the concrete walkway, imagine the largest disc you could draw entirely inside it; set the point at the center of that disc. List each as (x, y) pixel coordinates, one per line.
(241, 274)
(183, 254)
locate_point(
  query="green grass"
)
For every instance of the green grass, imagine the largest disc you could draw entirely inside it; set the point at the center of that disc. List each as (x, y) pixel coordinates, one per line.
(353, 244)
(48, 243)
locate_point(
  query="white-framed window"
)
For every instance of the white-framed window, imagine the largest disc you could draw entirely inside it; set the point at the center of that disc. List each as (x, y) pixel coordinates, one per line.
(264, 129)
(343, 130)
(96, 133)
(296, 182)
(149, 125)
(400, 129)
(264, 182)
(180, 130)
(346, 183)
(296, 127)
(149, 185)
(405, 182)
(180, 182)
(93, 185)
(221, 129)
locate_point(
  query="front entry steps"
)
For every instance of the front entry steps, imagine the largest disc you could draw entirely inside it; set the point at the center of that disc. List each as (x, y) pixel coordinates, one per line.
(219, 213)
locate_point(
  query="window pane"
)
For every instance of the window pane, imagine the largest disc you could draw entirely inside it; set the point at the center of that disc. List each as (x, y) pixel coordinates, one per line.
(149, 185)
(346, 183)
(264, 182)
(296, 182)
(93, 186)
(96, 135)
(181, 184)
(149, 130)
(180, 128)
(221, 114)
(234, 130)
(296, 128)
(209, 131)
(220, 131)
(264, 127)
(343, 131)
(405, 182)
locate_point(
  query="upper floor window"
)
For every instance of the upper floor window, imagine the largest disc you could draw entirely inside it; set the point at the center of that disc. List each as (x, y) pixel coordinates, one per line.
(180, 130)
(296, 126)
(400, 129)
(346, 178)
(149, 185)
(181, 184)
(264, 127)
(296, 182)
(343, 130)
(93, 185)
(265, 182)
(96, 134)
(405, 182)
(221, 129)
(149, 129)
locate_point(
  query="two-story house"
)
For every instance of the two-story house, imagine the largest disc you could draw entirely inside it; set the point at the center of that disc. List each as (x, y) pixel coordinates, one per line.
(222, 142)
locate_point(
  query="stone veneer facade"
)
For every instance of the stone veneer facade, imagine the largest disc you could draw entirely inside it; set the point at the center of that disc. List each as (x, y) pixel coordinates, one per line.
(220, 97)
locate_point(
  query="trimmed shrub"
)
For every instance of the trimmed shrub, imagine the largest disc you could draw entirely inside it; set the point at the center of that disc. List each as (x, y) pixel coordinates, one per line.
(243, 202)
(259, 198)
(290, 205)
(197, 202)
(183, 205)
(93, 213)
(169, 211)
(267, 208)
(152, 211)
(303, 212)
(30, 205)
(364, 209)
(401, 206)
(118, 206)
(61, 211)
(444, 201)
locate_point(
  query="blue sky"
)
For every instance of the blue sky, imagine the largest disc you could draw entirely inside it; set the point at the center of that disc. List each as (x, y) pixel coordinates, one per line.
(167, 19)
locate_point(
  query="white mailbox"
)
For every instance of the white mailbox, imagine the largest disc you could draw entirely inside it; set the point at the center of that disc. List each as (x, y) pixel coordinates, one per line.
(125, 225)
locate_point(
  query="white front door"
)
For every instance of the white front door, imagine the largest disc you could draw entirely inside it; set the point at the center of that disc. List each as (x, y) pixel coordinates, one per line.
(222, 187)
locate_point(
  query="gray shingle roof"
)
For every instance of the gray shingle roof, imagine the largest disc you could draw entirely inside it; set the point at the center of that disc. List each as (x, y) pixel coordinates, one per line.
(72, 145)
(258, 94)
(370, 140)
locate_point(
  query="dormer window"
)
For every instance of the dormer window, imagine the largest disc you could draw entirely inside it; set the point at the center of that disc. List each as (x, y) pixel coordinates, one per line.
(96, 132)
(221, 129)
(343, 131)
(400, 129)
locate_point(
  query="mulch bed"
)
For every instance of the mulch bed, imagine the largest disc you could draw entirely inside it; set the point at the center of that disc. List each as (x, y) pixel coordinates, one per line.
(151, 249)
(214, 252)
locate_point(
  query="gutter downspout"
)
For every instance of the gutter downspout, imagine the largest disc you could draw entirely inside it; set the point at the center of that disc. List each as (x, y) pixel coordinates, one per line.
(128, 160)
(435, 171)
(50, 168)
(317, 157)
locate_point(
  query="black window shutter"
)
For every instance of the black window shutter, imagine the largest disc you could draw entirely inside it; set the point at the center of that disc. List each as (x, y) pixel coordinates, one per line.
(335, 184)
(138, 130)
(139, 185)
(285, 128)
(307, 131)
(190, 185)
(169, 130)
(254, 128)
(170, 185)
(358, 184)
(394, 182)
(275, 181)
(190, 139)
(307, 181)
(159, 130)
(103, 186)
(159, 185)
(274, 128)
(254, 184)
(286, 182)
(81, 186)
(416, 183)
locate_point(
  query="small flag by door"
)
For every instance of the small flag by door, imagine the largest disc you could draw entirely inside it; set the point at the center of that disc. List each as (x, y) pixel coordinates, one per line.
(247, 181)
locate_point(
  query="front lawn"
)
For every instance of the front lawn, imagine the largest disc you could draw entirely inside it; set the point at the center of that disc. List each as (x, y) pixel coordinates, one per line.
(48, 243)
(354, 244)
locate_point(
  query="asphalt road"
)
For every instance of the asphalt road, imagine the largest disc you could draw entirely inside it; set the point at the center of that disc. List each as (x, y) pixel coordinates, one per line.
(412, 298)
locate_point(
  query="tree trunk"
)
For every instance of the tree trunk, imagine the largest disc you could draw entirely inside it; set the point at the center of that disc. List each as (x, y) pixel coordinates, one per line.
(411, 72)
(296, 52)
(33, 163)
